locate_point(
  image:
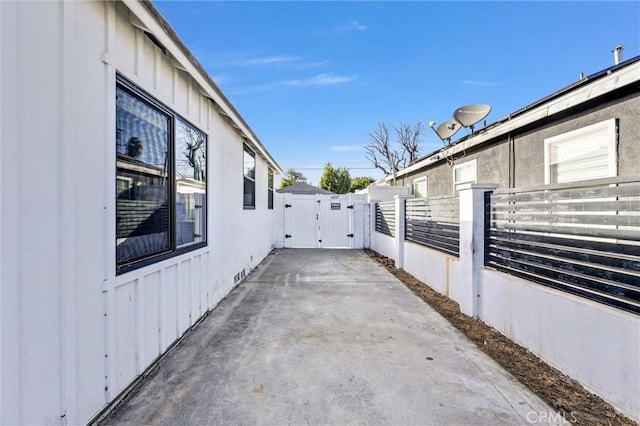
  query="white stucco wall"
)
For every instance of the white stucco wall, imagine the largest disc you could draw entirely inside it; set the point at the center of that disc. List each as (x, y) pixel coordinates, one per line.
(384, 192)
(594, 344)
(382, 243)
(436, 269)
(72, 333)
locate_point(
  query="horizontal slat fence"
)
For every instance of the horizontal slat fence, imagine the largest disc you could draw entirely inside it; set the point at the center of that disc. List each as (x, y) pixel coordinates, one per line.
(386, 218)
(434, 223)
(582, 238)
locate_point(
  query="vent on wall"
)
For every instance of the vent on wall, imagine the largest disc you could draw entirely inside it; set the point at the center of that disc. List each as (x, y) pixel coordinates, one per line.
(155, 41)
(239, 276)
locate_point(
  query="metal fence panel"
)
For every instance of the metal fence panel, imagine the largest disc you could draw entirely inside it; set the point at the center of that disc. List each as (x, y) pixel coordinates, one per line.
(386, 218)
(434, 223)
(583, 239)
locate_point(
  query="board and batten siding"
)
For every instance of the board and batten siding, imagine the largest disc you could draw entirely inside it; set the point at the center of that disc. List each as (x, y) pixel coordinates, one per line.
(73, 335)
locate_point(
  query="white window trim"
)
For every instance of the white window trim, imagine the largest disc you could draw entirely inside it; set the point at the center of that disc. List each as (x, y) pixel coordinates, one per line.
(459, 166)
(608, 126)
(413, 186)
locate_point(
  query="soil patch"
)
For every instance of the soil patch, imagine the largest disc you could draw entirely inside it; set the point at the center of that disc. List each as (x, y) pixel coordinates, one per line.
(565, 395)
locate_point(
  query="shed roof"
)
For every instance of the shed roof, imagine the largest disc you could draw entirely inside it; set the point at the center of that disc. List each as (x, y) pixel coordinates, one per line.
(303, 188)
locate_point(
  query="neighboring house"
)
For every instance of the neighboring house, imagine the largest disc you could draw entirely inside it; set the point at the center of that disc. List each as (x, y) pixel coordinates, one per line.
(303, 188)
(588, 130)
(133, 197)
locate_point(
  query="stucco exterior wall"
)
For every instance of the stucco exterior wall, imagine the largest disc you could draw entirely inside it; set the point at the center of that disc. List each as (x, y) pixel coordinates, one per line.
(493, 156)
(492, 167)
(73, 335)
(529, 145)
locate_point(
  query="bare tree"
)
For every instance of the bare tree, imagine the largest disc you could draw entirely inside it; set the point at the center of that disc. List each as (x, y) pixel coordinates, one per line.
(409, 138)
(380, 152)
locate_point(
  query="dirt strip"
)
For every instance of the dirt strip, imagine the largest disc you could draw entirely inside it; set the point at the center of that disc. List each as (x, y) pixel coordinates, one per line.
(565, 395)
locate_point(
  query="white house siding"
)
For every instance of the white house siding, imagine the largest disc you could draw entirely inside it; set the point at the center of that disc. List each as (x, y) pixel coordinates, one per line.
(73, 335)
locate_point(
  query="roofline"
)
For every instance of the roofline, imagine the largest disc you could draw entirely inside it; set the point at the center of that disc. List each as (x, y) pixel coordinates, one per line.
(588, 88)
(160, 28)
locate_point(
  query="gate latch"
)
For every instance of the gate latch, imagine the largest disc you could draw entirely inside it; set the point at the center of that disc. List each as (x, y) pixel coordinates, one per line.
(350, 235)
(287, 236)
(350, 207)
(286, 206)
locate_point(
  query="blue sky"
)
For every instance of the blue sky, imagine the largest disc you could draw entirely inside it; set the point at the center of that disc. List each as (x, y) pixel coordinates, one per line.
(313, 79)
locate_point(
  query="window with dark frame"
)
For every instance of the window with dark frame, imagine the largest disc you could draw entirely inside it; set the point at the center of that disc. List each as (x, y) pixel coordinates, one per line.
(249, 160)
(161, 189)
(270, 190)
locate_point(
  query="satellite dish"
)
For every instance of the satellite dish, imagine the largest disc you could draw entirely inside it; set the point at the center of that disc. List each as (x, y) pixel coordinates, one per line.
(447, 129)
(469, 115)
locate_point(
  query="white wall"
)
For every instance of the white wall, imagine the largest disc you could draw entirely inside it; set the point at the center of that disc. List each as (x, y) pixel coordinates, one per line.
(278, 229)
(360, 224)
(436, 269)
(382, 243)
(72, 333)
(384, 192)
(366, 225)
(594, 344)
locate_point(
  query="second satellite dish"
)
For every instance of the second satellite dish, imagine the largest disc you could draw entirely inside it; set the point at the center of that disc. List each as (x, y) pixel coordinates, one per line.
(469, 115)
(448, 129)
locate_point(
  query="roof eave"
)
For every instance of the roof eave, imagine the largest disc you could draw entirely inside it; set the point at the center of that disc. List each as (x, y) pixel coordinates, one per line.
(157, 25)
(596, 85)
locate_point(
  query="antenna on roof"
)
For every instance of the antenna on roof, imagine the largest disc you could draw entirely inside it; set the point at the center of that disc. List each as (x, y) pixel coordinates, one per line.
(469, 115)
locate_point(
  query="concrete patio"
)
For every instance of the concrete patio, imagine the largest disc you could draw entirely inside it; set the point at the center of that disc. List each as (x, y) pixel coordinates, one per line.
(326, 337)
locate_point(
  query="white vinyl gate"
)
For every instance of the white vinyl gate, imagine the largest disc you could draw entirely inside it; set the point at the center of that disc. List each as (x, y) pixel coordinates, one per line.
(323, 221)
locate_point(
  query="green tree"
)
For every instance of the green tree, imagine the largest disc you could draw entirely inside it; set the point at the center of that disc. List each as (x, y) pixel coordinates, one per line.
(292, 176)
(358, 183)
(335, 179)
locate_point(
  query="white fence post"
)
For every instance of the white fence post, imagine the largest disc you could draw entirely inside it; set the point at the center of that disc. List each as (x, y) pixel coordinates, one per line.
(372, 225)
(472, 235)
(400, 224)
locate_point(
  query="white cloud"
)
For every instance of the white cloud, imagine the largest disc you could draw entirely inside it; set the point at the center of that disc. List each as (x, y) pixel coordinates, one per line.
(319, 80)
(353, 25)
(357, 26)
(345, 148)
(250, 60)
(305, 65)
(477, 83)
(262, 60)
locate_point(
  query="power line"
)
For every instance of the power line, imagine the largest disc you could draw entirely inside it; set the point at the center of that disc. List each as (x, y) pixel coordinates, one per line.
(322, 168)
